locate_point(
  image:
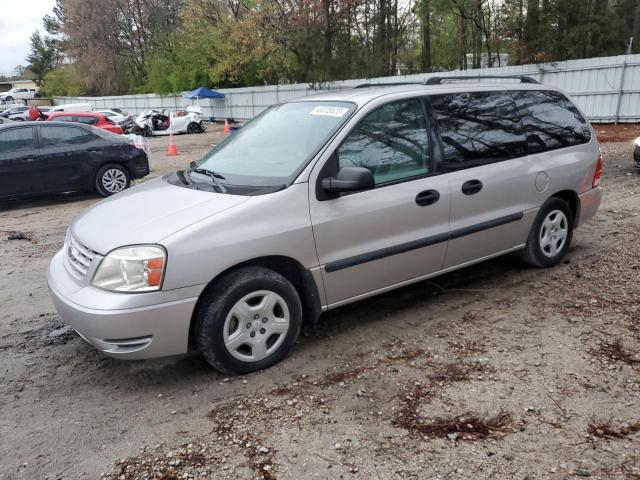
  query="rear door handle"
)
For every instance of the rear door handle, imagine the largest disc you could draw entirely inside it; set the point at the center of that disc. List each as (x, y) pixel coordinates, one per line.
(427, 197)
(471, 186)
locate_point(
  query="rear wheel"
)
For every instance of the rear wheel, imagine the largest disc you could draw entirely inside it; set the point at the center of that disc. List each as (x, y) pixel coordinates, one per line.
(112, 179)
(550, 235)
(248, 321)
(9, 99)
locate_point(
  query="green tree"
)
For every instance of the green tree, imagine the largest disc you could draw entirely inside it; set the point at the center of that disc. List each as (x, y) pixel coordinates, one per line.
(61, 82)
(43, 57)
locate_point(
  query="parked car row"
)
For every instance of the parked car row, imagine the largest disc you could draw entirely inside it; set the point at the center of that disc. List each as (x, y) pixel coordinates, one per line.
(148, 123)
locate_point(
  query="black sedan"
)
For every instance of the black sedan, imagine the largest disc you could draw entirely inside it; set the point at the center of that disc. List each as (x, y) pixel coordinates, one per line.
(52, 157)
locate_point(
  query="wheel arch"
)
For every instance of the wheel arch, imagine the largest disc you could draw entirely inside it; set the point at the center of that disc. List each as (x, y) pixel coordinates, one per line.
(571, 198)
(291, 269)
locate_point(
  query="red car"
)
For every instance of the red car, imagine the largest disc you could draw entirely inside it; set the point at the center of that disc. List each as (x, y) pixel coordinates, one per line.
(88, 118)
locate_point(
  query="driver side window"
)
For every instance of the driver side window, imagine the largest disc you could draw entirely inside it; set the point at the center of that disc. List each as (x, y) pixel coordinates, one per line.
(391, 141)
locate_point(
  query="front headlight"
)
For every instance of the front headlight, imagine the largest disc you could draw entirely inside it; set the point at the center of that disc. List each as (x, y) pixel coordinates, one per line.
(138, 268)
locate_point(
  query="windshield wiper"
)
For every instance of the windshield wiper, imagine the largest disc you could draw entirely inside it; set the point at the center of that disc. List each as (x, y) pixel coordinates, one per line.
(214, 176)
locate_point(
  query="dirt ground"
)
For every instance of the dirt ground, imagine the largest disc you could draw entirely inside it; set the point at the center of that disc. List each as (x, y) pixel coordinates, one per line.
(496, 371)
(623, 132)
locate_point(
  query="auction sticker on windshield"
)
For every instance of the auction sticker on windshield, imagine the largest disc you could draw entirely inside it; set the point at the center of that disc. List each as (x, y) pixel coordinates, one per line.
(329, 111)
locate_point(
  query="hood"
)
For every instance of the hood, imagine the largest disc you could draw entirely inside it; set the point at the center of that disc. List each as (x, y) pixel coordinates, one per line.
(147, 213)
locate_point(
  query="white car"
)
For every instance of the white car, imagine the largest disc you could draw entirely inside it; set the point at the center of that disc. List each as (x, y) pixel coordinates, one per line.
(18, 94)
(153, 122)
(72, 107)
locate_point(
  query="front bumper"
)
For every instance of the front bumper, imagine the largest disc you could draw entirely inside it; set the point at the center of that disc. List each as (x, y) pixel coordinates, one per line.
(128, 326)
(636, 157)
(589, 204)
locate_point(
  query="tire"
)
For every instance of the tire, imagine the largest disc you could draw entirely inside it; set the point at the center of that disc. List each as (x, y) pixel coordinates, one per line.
(194, 128)
(111, 179)
(147, 132)
(550, 235)
(8, 99)
(240, 310)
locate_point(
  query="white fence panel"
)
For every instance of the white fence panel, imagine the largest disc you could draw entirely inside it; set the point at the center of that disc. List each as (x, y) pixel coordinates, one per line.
(606, 88)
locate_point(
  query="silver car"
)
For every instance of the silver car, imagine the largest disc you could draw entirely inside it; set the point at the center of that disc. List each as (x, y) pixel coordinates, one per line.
(322, 201)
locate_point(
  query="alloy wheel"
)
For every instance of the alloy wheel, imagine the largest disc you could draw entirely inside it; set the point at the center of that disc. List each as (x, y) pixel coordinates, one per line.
(114, 180)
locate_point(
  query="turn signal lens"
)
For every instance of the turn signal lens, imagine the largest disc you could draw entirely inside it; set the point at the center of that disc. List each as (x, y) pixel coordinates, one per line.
(153, 270)
(597, 175)
(138, 268)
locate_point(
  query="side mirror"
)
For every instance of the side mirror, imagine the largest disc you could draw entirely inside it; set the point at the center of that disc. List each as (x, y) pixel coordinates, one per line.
(349, 179)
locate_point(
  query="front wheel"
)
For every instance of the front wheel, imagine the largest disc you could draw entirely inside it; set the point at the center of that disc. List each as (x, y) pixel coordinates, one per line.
(194, 128)
(248, 321)
(550, 235)
(112, 179)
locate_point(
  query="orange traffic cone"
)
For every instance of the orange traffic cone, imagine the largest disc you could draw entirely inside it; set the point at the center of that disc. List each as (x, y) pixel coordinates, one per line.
(227, 127)
(172, 150)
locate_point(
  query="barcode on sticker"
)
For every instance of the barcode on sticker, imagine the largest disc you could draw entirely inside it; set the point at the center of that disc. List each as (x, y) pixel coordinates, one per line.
(329, 111)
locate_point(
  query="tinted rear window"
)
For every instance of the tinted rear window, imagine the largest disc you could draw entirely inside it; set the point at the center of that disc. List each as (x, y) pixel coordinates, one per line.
(477, 128)
(550, 120)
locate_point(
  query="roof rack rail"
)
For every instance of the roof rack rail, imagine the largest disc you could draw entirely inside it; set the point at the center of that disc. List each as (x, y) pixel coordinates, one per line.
(439, 80)
(389, 84)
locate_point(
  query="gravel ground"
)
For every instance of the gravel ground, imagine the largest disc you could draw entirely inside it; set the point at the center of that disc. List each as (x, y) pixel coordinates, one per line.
(495, 371)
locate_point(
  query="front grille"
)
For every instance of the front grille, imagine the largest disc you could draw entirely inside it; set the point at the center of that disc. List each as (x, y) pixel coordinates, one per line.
(78, 256)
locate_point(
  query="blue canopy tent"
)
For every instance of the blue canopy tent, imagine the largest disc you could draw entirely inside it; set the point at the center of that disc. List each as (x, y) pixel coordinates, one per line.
(204, 92)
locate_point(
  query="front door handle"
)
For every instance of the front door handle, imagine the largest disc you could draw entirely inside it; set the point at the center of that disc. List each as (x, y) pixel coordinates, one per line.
(472, 186)
(427, 197)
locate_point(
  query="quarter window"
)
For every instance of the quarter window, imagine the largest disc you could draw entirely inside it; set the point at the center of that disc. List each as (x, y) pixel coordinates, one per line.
(53, 136)
(550, 120)
(477, 128)
(392, 142)
(16, 139)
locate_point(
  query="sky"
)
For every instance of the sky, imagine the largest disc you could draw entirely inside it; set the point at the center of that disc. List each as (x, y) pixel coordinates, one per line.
(18, 20)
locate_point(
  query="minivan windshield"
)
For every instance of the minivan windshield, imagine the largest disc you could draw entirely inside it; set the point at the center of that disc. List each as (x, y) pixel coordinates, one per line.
(273, 147)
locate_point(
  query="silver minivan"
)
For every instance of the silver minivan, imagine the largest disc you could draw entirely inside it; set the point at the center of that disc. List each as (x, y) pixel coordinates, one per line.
(322, 201)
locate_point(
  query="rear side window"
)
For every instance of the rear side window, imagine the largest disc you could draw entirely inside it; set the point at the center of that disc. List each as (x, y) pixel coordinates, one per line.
(63, 118)
(391, 141)
(550, 120)
(477, 128)
(54, 136)
(16, 139)
(87, 120)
